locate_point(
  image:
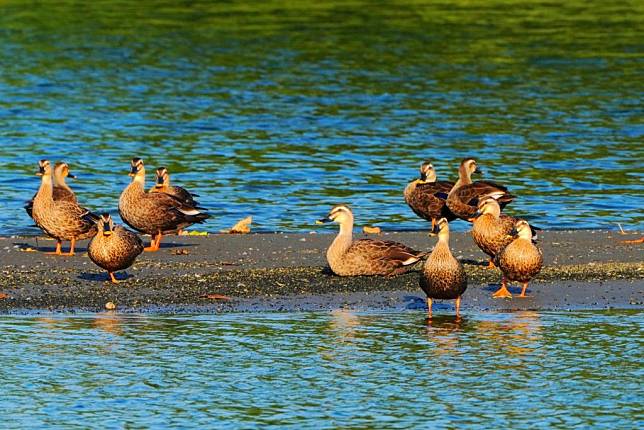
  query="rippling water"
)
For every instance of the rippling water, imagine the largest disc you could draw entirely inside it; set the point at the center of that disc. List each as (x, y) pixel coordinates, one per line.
(323, 370)
(280, 110)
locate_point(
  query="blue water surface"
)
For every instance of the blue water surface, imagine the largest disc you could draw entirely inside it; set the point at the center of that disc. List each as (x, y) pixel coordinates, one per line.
(281, 109)
(341, 369)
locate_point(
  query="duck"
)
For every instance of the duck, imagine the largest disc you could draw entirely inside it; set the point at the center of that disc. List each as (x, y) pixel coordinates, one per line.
(155, 214)
(520, 261)
(491, 229)
(61, 189)
(60, 219)
(426, 195)
(114, 247)
(162, 185)
(443, 276)
(463, 198)
(347, 257)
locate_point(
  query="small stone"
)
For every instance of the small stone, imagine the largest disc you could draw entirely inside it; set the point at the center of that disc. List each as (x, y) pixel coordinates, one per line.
(110, 306)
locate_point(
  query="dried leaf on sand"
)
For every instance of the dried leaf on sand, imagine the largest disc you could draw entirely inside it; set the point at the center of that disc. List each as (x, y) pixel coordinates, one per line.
(241, 227)
(371, 230)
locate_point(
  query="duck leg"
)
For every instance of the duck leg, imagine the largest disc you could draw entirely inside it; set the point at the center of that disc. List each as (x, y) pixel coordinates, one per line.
(458, 307)
(429, 307)
(490, 264)
(502, 293)
(58, 251)
(155, 241)
(525, 287)
(113, 278)
(72, 244)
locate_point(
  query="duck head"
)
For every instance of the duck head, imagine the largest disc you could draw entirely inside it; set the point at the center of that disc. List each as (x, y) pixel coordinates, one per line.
(340, 214)
(163, 178)
(427, 172)
(137, 171)
(61, 171)
(105, 225)
(469, 167)
(44, 168)
(522, 230)
(441, 226)
(488, 205)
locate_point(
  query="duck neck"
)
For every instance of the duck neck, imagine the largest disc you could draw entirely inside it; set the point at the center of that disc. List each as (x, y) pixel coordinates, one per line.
(139, 178)
(341, 243)
(46, 190)
(59, 181)
(464, 177)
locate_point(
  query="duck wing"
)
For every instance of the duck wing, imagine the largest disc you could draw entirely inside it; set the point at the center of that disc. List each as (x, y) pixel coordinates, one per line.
(397, 253)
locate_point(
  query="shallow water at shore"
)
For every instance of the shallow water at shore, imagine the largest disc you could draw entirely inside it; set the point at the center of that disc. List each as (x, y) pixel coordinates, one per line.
(323, 370)
(280, 110)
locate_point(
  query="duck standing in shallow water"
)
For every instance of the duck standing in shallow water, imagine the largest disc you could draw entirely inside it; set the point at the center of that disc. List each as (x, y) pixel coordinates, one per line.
(520, 261)
(60, 219)
(155, 214)
(464, 197)
(113, 248)
(443, 276)
(61, 189)
(426, 196)
(347, 257)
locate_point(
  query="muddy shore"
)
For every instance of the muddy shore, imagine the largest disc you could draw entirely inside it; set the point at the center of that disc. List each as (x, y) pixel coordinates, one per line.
(267, 272)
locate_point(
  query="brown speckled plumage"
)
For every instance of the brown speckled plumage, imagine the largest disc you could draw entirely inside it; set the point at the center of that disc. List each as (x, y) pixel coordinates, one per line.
(62, 220)
(521, 260)
(162, 185)
(114, 248)
(491, 230)
(366, 256)
(464, 197)
(422, 198)
(154, 213)
(61, 191)
(426, 196)
(443, 276)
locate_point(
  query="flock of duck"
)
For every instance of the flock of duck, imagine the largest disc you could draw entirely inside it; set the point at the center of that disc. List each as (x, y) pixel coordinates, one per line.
(510, 242)
(166, 209)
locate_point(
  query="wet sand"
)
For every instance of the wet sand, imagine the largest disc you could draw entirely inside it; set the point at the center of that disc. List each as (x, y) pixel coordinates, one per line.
(287, 272)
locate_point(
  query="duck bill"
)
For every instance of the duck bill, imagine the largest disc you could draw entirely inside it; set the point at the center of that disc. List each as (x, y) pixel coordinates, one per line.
(133, 171)
(476, 214)
(159, 181)
(324, 220)
(40, 172)
(514, 232)
(478, 171)
(107, 231)
(435, 230)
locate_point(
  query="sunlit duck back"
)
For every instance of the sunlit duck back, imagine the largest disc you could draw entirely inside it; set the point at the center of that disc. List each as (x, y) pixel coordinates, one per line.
(347, 257)
(521, 260)
(426, 195)
(114, 247)
(155, 214)
(464, 197)
(60, 219)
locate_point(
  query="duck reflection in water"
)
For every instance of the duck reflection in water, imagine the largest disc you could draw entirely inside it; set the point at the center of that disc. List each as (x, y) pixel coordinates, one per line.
(344, 323)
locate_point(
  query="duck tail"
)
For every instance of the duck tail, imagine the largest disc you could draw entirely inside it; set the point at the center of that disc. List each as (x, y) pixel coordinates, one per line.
(90, 216)
(193, 216)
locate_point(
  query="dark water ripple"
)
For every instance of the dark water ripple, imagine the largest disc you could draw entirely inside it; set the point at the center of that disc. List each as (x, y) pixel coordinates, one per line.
(323, 370)
(279, 111)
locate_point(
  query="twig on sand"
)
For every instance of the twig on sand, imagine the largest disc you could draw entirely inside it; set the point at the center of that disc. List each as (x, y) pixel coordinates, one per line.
(640, 240)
